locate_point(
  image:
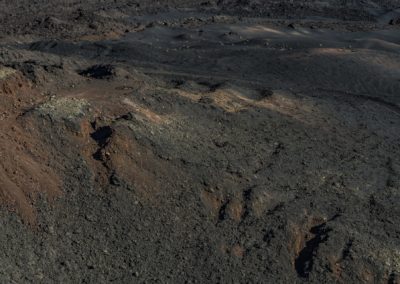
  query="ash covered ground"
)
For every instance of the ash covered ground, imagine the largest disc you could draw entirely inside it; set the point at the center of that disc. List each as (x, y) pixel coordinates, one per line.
(199, 141)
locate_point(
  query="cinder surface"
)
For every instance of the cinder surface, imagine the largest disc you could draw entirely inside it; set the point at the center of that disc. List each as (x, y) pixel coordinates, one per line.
(188, 142)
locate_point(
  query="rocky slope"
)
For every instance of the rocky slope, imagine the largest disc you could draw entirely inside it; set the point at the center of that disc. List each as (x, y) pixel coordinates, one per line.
(191, 142)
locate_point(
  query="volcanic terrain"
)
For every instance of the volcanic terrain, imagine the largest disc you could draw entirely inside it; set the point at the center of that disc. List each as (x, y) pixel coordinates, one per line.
(179, 141)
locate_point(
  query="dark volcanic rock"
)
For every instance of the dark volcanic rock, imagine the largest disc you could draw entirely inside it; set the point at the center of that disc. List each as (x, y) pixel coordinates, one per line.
(99, 72)
(185, 141)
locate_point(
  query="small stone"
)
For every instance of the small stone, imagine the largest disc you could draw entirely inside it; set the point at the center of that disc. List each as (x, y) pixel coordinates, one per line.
(114, 180)
(393, 22)
(128, 116)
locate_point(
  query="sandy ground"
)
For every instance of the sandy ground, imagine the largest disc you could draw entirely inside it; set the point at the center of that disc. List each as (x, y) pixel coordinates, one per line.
(195, 142)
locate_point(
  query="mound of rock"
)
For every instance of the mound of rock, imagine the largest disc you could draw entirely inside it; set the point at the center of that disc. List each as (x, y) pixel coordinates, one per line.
(99, 72)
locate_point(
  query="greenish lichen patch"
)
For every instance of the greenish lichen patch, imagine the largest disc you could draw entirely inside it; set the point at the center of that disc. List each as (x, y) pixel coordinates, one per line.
(65, 108)
(6, 72)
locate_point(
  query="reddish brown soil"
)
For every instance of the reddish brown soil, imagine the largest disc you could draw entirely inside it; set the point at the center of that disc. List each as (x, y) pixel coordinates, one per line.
(25, 173)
